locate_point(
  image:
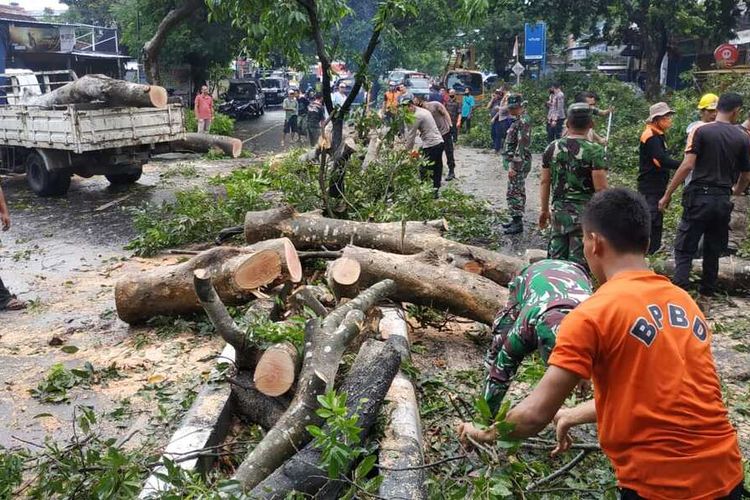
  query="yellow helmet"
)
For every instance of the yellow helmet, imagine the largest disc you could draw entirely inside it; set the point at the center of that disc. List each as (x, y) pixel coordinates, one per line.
(708, 101)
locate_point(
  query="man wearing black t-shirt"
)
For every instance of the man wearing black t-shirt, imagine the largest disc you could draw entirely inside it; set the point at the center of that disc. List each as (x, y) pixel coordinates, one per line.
(718, 155)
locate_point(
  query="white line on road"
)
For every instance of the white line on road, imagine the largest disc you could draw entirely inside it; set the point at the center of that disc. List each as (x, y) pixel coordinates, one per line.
(261, 133)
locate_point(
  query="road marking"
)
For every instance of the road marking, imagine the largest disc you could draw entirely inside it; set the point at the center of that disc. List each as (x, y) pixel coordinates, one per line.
(261, 133)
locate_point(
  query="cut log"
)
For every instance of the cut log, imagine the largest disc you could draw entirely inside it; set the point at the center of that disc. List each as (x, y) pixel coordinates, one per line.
(254, 406)
(342, 277)
(424, 279)
(291, 264)
(168, 290)
(734, 272)
(400, 454)
(312, 231)
(277, 369)
(114, 93)
(325, 342)
(369, 378)
(202, 143)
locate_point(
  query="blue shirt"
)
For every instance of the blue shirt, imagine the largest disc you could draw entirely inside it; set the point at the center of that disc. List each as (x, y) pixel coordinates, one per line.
(467, 105)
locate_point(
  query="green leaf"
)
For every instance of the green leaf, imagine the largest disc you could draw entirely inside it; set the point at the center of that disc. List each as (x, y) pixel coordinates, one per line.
(365, 466)
(69, 349)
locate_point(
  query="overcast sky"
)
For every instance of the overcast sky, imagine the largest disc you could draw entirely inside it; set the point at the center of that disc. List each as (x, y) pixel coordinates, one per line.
(36, 4)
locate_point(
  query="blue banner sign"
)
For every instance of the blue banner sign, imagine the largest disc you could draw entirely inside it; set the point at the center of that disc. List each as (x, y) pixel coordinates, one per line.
(535, 39)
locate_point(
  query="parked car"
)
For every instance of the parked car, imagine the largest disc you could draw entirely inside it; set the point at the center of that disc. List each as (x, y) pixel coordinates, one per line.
(349, 82)
(244, 99)
(462, 79)
(419, 86)
(400, 76)
(275, 88)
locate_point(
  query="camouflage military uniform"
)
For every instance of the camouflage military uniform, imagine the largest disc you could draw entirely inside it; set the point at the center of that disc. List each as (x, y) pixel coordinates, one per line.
(571, 162)
(539, 298)
(517, 155)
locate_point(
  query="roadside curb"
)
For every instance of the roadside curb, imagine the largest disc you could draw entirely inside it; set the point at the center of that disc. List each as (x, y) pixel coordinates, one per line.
(206, 424)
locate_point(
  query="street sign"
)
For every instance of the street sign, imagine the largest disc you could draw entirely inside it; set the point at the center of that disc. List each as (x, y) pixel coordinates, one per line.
(518, 69)
(535, 41)
(726, 55)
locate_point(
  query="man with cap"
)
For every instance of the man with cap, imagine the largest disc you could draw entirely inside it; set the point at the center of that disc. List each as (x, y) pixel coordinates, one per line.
(467, 109)
(655, 164)
(706, 111)
(432, 141)
(517, 161)
(291, 109)
(339, 96)
(718, 155)
(443, 122)
(573, 169)
(454, 109)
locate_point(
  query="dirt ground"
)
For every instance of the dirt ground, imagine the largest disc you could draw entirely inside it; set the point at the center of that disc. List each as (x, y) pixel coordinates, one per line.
(65, 255)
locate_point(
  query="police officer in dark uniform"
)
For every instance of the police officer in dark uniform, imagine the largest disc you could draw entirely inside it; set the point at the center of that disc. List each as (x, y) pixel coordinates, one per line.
(718, 154)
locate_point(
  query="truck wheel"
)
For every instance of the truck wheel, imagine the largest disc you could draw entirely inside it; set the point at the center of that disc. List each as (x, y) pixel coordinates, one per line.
(43, 181)
(125, 178)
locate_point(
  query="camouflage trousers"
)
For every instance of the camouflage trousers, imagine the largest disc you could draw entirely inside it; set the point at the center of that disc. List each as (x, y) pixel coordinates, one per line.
(513, 339)
(566, 239)
(738, 222)
(516, 194)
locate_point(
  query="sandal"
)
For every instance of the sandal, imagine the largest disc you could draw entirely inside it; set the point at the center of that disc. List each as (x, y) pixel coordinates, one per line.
(14, 305)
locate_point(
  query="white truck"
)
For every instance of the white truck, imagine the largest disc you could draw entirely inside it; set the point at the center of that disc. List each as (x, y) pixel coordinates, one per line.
(52, 144)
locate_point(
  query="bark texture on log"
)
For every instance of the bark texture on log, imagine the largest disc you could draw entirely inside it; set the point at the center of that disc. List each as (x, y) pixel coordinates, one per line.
(369, 378)
(255, 406)
(277, 369)
(423, 279)
(401, 446)
(114, 93)
(312, 231)
(202, 143)
(734, 272)
(310, 297)
(168, 290)
(154, 45)
(325, 342)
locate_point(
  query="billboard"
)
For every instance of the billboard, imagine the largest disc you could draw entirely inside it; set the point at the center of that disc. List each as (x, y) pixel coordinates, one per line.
(535, 38)
(34, 39)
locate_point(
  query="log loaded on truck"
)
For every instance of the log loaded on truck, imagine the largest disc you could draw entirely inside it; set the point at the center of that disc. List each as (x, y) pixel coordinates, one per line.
(54, 125)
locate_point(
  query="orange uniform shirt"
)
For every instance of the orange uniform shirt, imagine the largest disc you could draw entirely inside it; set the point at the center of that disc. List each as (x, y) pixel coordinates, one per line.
(660, 416)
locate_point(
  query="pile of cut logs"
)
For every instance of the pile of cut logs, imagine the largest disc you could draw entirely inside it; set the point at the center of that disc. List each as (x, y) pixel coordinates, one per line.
(113, 93)
(277, 387)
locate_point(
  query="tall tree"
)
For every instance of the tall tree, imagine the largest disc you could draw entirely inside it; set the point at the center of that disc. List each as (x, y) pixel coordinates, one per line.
(96, 12)
(283, 26)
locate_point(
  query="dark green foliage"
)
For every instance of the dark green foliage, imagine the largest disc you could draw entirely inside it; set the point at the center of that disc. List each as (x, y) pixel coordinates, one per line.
(220, 125)
(389, 190)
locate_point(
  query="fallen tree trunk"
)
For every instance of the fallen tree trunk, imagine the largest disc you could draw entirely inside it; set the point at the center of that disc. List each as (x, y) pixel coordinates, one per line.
(290, 262)
(202, 143)
(250, 402)
(168, 290)
(369, 378)
(325, 342)
(734, 272)
(277, 369)
(114, 93)
(423, 279)
(400, 457)
(312, 231)
(255, 406)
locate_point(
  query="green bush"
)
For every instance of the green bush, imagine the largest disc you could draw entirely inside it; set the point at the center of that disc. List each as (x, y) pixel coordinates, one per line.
(221, 124)
(389, 190)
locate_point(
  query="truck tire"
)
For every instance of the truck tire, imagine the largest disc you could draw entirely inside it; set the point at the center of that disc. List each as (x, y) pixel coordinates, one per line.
(127, 177)
(43, 181)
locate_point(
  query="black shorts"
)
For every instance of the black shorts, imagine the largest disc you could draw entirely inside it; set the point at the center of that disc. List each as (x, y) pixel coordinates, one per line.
(290, 125)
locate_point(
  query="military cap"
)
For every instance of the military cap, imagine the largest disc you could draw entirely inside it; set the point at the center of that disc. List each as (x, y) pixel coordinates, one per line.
(579, 109)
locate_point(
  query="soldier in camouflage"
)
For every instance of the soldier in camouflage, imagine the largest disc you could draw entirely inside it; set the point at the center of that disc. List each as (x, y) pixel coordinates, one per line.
(517, 161)
(574, 168)
(539, 299)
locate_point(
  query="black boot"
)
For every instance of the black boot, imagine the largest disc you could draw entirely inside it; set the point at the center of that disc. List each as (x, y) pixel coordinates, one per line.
(451, 175)
(516, 226)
